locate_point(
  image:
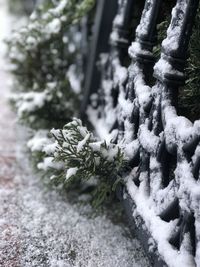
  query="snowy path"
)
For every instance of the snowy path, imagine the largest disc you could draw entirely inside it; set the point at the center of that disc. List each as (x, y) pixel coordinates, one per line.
(40, 227)
(56, 233)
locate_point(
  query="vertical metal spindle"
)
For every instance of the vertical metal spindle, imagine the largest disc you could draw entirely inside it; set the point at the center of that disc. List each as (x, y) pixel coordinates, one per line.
(105, 12)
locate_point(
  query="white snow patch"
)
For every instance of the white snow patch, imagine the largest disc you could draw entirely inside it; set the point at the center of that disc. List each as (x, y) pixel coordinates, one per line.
(71, 172)
(82, 143)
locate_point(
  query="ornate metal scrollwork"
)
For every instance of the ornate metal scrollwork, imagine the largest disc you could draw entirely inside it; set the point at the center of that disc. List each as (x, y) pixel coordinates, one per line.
(168, 171)
(165, 147)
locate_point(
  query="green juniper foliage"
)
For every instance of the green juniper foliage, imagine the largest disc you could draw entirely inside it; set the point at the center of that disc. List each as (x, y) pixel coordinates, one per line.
(51, 106)
(161, 34)
(189, 95)
(46, 60)
(39, 140)
(76, 156)
(48, 51)
(21, 7)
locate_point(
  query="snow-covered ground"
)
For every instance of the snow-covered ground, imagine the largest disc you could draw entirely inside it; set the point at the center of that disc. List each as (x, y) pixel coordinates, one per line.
(57, 232)
(40, 227)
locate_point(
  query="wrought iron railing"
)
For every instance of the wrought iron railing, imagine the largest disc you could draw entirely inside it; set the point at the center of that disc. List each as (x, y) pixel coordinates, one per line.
(138, 97)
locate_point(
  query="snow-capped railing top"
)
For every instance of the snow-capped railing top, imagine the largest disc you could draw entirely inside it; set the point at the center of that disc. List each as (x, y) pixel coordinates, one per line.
(163, 147)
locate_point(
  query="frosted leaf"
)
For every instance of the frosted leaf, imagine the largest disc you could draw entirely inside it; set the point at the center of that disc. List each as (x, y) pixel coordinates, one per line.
(31, 41)
(55, 132)
(50, 148)
(71, 172)
(54, 26)
(31, 101)
(48, 162)
(96, 146)
(82, 143)
(38, 142)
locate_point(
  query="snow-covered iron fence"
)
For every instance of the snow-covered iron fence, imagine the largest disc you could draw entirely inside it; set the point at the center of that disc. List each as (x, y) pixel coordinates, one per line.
(162, 191)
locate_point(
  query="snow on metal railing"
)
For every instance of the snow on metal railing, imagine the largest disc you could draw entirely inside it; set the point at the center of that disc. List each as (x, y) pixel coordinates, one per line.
(165, 190)
(164, 147)
(113, 65)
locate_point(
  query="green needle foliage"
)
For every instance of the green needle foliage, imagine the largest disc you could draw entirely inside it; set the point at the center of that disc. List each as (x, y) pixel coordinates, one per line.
(21, 7)
(51, 106)
(190, 94)
(161, 34)
(76, 157)
(49, 51)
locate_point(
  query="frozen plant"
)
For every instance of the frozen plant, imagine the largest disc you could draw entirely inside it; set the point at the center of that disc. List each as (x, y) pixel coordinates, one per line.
(40, 146)
(190, 94)
(21, 7)
(82, 158)
(40, 109)
(48, 50)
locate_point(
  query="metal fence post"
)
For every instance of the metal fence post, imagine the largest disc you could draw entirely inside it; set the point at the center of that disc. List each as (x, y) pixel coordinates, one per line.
(105, 13)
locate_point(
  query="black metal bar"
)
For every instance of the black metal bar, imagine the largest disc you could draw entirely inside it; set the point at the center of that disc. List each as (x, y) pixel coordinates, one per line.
(137, 228)
(105, 13)
(146, 32)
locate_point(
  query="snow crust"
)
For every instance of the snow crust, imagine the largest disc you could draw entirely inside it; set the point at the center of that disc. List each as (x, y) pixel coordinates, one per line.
(71, 172)
(117, 23)
(173, 33)
(136, 49)
(163, 66)
(39, 141)
(57, 232)
(28, 102)
(142, 28)
(54, 26)
(159, 229)
(82, 143)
